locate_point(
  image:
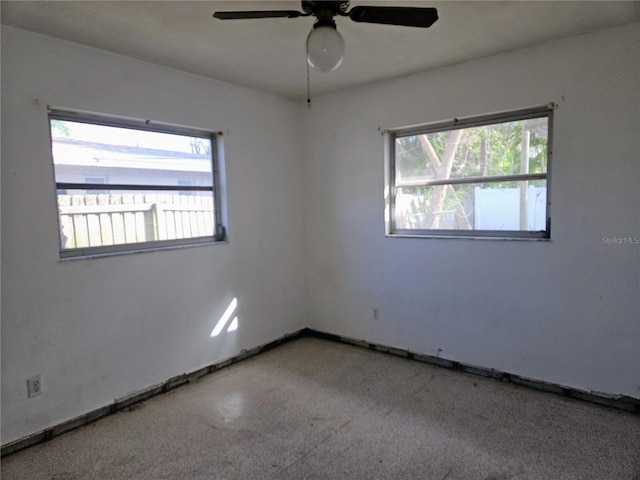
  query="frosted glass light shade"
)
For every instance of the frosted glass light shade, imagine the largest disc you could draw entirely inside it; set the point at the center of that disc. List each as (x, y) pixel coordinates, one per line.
(325, 48)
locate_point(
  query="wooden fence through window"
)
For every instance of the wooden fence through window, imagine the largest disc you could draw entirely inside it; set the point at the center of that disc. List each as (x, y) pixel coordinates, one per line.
(106, 219)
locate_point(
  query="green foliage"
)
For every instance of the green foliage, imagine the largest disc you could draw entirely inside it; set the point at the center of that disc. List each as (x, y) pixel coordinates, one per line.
(482, 151)
(61, 128)
(200, 146)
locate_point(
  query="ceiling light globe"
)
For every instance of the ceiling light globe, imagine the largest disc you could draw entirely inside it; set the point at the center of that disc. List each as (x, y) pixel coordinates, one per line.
(325, 48)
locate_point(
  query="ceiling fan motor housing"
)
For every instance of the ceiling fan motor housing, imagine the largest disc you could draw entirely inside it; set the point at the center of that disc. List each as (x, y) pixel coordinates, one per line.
(325, 10)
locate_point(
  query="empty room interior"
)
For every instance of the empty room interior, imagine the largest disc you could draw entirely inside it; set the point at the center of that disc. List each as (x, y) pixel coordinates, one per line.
(230, 250)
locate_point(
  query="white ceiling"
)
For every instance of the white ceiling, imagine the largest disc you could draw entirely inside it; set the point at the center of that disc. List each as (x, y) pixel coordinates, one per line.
(269, 54)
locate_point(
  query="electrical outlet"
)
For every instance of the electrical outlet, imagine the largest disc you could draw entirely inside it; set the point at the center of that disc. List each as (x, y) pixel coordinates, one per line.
(34, 386)
(376, 313)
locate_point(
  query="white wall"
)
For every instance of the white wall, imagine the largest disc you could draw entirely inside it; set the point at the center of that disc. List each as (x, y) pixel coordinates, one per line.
(100, 329)
(565, 311)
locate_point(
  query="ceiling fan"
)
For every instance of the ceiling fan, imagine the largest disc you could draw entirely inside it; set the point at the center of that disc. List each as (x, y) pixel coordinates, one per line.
(325, 46)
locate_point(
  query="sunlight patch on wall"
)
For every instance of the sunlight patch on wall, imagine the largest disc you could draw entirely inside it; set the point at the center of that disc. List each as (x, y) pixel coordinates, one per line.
(233, 326)
(224, 319)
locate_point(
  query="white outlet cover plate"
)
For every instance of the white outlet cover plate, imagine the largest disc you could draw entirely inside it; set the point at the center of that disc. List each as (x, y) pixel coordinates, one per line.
(34, 386)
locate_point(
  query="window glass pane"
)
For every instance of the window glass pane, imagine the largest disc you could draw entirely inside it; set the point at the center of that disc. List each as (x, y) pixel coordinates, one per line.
(509, 148)
(123, 189)
(90, 153)
(93, 218)
(500, 206)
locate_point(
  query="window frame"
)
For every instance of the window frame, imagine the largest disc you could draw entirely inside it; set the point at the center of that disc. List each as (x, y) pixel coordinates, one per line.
(220, 231)
(390, 136)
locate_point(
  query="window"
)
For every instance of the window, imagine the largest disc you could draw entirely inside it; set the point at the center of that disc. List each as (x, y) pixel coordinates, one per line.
(125, 185)
(485, 176)
(95, 179)
(187, 182)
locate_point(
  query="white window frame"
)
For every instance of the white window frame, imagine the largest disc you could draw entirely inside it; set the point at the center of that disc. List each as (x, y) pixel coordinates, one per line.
(390, 137)
(217, 155)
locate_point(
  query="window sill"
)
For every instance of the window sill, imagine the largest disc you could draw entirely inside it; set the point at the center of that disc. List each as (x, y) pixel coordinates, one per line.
(469, 237)
(90, 255)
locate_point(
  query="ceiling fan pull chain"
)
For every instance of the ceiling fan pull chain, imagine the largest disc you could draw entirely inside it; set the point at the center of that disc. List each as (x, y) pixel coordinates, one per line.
(308, 87)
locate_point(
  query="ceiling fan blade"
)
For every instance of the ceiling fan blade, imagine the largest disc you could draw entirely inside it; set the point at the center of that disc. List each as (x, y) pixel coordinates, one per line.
(243, 15)
(406, 16)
